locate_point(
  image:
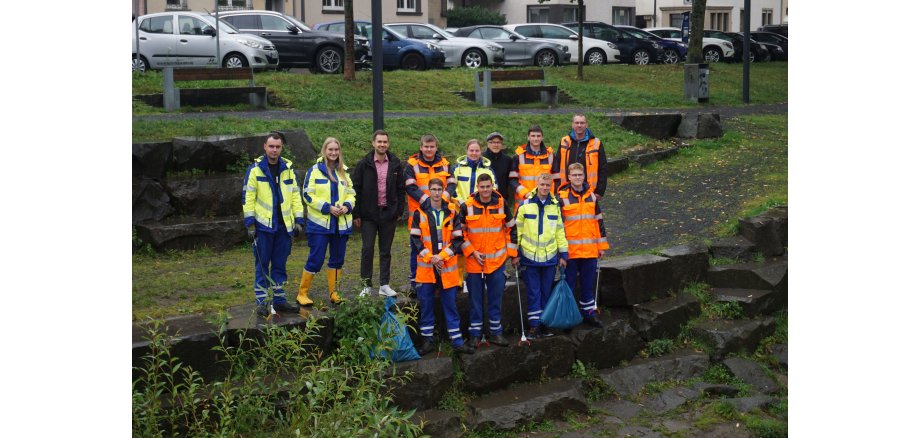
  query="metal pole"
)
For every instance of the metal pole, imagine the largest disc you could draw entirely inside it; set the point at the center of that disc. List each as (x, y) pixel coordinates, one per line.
(654, 13)
(377, 53)
(137, 34)
(217, 31)
(746, 70)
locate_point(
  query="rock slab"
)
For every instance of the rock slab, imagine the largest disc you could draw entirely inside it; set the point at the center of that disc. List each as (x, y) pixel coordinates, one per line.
(753, 302)
(439, 423)
(632, 378)
(548, 357)
(669, 399)
(733, 336)
(606, 346)
(770, 275)
(514, 407)
(663, 318)
(192, 233)
(704, 125)
(751, 373)
(630, 280)
(689, 262)
(660, 126)
(430, 379)
(734, 247)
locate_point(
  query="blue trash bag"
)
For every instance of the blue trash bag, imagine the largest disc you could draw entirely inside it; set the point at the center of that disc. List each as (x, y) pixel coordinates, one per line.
(561, 310)
(391, 327)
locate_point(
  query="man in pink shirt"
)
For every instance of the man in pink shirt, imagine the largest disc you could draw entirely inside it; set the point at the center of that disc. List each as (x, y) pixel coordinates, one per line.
(380, 193)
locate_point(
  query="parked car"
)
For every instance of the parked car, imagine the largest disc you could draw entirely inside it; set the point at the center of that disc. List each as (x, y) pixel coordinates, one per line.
(758, 52)
(772, 38)
(297, 44)
(714, 49)
(782, 29)
(398, 51)
(672, 52)
(636, 48)
(188, 39)
(595, 51)
(458, 51)
(520, 50)
(766, 52)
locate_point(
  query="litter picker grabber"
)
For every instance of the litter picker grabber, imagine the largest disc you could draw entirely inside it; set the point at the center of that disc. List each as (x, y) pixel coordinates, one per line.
(597, 288)
(517, 282)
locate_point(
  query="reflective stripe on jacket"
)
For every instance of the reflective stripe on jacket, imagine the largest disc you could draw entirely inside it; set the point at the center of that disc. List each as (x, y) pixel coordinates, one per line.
(419, 173)
(320, 193)
(592, 159)
(584, 223)
(259, 198)
(527, 166)
(466, 175)
(489, 229)
(422, 234)
(541, 234)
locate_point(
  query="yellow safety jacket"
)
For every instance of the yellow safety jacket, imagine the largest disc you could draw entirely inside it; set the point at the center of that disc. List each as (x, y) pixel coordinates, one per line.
(319, 196)
(259, 200)
(466, 177)
(540, 232)
(584, 223)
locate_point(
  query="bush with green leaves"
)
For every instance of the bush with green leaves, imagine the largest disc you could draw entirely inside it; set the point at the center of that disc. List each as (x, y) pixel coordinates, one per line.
(473, 15)
(594, 386)
(660, 347)
(277, 383)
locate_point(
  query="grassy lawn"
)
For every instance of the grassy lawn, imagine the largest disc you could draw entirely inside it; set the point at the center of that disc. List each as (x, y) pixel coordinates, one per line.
(605, 86)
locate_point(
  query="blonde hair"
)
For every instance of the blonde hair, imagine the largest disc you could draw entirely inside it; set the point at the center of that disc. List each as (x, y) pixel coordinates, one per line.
(473, 141)
(543, 176)
(339, 168)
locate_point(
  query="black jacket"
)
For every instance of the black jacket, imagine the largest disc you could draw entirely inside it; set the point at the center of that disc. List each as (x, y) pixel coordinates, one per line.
(364, 177)
(501, 165)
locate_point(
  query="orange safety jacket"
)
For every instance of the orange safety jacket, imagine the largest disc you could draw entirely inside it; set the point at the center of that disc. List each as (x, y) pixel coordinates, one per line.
(526, 167)
(489, 229)
(419, 173)
(583, 222)
(592, 160)
(423, 235)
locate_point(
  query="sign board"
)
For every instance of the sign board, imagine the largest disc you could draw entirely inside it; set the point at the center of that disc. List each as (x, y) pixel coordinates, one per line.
(688, 2)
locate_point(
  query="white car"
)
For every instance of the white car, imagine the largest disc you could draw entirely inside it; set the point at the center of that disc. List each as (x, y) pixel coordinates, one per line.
(458, 51)
(171, 39)
(595, 51)
(714, 49)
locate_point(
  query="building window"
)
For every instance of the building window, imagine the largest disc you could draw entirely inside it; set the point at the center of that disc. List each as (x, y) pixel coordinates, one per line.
(569, 13)
(407, 6)
(176, 5)
(766, 17)
(676, 20)
(234, 5)
(718, 21)
(333, 5)
(538, 14)
(623, 16)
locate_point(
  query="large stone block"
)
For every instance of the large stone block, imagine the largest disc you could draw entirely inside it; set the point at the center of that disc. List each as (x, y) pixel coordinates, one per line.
(634, 279)
(606, 346)
(766, 234)
(689, 262)
(431, 377)
(771, 275)
(734, 247)
(753, 302)
(191, 233)
(150, 159)
(663, 318)
(660, 126)
(149, 201)
(704, 125)
(439, 423)
(751, 373)
(548, 357)
(204, 196)
(681, 365)
(733, 336)
(217, 153)
(669, 399)
(617, 165)
(748, 404)
(527, 403)
(300, 146)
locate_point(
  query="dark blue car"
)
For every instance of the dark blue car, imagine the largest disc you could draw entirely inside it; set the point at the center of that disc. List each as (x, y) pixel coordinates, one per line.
(398, 51)
(636, 45)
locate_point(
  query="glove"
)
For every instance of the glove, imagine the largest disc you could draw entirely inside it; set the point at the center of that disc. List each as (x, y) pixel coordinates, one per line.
(298, 229)
(251, 232)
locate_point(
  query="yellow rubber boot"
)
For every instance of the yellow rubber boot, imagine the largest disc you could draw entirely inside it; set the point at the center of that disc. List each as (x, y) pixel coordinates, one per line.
(303, 296)
(332, 276)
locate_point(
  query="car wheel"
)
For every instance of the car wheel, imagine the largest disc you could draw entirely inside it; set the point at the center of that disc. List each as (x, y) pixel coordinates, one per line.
(596, 57)
(235, 60)
(712, 54)
(641, 57)
(412, 61)
(329, 60)
(139, 64)
(671, 56)
(474, 58)
(545, 58)
(768, 57)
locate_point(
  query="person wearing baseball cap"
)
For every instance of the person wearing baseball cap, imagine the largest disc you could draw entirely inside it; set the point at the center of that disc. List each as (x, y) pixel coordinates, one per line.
(500, 163)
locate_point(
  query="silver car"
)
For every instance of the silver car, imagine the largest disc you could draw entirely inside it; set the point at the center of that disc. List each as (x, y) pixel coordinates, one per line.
(190, 39)
(458, 51)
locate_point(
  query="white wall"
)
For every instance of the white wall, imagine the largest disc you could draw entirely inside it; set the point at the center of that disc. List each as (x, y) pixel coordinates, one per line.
(645, 7)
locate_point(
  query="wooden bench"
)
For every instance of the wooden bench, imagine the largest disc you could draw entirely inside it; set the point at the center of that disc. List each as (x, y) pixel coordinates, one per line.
(482, 82)
(173, 96)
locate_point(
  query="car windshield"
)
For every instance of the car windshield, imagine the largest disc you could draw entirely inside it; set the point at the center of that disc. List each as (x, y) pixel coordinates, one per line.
(224, 26)
(441, 31)
(636, 33)
(396, 30)
(299, 23)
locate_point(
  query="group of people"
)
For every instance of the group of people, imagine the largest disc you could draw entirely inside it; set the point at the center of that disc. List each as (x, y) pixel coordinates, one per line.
(538, 207)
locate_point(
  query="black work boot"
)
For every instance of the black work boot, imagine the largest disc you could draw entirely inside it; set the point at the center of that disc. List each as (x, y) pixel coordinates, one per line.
(287, 307)
(465, 349)
(593, 321)
(498, 340)
(262, 309)
(533, 333)
(473, 342)
(426, 347)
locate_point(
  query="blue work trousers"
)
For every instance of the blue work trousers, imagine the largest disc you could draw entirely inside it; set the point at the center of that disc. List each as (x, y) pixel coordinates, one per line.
(318, 244)
(494, 285)
(271, 251)
(426, 293)
(539, 282)
(586, 270)
(413, 263)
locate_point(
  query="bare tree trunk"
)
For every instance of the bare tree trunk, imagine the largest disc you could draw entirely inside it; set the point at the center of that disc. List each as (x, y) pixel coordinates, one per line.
(581, 31)
(697, 18)
(349, 62)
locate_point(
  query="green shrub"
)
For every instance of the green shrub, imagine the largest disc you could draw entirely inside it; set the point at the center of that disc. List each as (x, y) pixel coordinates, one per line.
(473, 15)
(594, 387)
(725, 310)
(660, 347)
